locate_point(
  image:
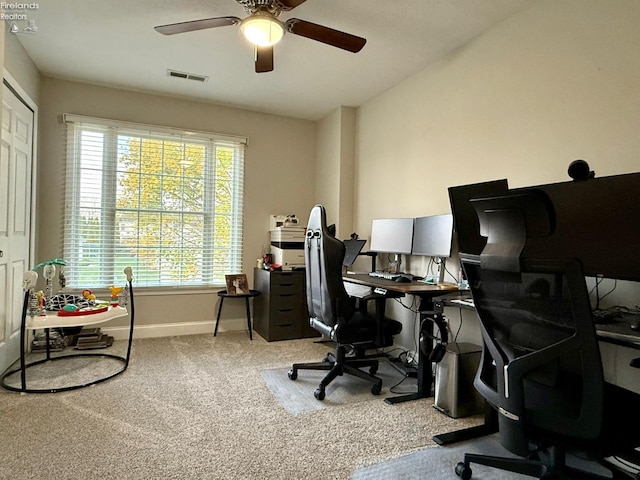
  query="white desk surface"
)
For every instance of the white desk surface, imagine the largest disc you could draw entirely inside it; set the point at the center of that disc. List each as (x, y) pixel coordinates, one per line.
(53, 320)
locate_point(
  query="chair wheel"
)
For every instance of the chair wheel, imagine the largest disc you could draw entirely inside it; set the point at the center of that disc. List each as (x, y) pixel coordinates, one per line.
(319, 394)
(463, 471)
(292, 374)
(329, 358)
(377, 388)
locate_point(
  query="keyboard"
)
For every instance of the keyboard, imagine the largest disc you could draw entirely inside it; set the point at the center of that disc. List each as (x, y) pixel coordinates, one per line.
(386, 276)
(605, 316)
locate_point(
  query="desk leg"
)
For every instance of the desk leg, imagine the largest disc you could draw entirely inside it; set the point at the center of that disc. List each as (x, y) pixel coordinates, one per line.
(381, 305)
(215, 330)
(425, 366)
(425, 375)
(246, 300)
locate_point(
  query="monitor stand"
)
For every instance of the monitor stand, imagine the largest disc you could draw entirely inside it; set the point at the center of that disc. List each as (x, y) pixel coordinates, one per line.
(394, 266)
(439, 278)
(441, 270)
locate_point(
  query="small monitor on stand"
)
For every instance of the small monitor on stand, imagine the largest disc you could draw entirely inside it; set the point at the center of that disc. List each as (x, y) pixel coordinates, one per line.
(433, 237)
(392, 235)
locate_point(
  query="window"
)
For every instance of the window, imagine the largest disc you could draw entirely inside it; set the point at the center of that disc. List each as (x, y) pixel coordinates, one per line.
(165, 202)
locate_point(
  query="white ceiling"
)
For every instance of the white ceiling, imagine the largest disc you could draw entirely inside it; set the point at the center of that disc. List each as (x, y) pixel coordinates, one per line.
(113, 43)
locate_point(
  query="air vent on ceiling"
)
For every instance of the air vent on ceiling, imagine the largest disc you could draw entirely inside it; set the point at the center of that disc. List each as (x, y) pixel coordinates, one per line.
(187, 76)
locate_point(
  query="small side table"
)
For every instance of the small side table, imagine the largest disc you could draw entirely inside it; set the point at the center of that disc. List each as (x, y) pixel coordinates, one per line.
(222, 294)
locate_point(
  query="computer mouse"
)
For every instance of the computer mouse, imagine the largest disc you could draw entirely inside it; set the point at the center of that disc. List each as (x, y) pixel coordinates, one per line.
(402, 279)
(635, 324)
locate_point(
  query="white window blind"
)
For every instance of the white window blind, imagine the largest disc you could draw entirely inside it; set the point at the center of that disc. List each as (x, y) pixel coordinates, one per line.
(167, 203)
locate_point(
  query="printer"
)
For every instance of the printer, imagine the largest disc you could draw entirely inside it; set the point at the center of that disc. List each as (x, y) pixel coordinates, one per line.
(287, 246)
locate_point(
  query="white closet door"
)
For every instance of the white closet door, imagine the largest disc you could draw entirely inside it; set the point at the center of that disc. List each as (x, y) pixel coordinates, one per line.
(16, 151)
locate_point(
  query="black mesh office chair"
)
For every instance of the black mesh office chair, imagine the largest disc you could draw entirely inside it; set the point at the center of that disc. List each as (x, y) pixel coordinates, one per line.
(541, 367)
(334, 314)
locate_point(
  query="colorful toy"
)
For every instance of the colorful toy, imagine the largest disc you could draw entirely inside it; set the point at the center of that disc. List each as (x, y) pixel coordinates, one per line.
(40, 295)
(53, 261)
(49, 272)
(115, 291)
(88, 294)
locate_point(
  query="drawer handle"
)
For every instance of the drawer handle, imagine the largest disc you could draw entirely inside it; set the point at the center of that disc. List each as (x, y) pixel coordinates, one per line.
(286, 309)
(286, 284)
(284, 325)
(286, 295)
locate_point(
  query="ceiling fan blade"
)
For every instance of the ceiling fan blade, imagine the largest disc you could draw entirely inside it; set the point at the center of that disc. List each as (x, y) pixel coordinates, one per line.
(288, 4)
(327, 35)
(183, 27)
(264, 59)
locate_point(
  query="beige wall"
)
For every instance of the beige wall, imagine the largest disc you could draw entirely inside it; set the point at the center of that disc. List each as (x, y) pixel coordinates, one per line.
(328, 164)
(20, 66)
(335, 156)
(550, 85)
(277, 165)
(553, 84)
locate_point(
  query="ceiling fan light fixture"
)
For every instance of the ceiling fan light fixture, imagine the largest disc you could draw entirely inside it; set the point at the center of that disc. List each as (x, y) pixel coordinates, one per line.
(262, 29)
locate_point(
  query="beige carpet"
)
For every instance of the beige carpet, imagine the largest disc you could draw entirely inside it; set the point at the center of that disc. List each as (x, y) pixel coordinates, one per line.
(198, 407)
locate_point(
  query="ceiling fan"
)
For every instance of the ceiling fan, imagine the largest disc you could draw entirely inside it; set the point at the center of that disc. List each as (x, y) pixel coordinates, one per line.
(264, 30)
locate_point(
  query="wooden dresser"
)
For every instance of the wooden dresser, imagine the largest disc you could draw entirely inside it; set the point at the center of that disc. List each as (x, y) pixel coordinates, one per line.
(280, 313)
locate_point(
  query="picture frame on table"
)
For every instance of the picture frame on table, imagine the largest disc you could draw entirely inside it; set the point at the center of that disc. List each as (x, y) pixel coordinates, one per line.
(237, 284)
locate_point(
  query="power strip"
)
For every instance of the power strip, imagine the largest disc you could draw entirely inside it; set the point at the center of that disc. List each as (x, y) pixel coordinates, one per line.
(404, 368)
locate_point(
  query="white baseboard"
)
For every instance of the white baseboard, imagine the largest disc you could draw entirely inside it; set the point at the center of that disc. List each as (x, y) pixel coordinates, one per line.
(178, 328)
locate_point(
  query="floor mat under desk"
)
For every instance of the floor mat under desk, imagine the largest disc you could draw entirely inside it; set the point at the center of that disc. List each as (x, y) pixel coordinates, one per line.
(438, 463)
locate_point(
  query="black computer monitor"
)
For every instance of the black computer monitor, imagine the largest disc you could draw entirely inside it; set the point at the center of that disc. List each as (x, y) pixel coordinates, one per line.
(433, 235)
(465, 219)
(597, 221)
(392, 235)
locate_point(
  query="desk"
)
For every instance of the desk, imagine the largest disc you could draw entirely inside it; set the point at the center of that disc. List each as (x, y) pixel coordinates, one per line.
(53, 320)
(619, 332)
(391, 289)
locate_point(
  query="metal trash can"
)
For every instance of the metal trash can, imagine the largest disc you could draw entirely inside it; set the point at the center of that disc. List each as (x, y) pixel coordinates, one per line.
(455, 393)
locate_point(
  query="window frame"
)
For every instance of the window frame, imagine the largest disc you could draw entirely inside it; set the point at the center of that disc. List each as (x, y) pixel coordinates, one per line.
(211, 272)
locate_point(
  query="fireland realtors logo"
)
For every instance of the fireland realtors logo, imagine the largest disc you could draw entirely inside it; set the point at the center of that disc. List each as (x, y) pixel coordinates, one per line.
(15, 12)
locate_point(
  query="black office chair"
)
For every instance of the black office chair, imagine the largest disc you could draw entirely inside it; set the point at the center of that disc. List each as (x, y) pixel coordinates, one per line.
(541, 367)
(334, 314)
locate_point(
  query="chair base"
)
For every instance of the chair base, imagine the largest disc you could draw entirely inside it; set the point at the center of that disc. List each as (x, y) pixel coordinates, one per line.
(551, 465)
(338, 365)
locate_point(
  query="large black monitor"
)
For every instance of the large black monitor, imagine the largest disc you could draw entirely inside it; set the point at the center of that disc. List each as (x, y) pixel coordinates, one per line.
(433, 235)
(597, 221)
(464, 216)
